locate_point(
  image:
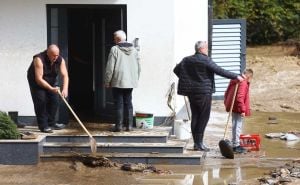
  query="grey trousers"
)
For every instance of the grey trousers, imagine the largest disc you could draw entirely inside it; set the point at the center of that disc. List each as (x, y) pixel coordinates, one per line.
(237, 124)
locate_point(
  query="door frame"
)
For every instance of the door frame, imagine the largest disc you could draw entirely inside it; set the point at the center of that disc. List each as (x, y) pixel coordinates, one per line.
(57, 33)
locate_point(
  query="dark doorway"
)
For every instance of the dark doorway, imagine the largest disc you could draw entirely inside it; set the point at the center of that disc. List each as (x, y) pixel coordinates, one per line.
(89, 31)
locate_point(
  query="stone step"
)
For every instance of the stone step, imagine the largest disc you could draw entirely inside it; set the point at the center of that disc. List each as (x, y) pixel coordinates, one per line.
(169, 147)
(145, 158)
(156, 135)
(112, 138)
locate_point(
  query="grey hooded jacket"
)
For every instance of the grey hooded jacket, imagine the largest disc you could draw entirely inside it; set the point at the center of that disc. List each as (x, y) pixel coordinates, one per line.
(123, 66)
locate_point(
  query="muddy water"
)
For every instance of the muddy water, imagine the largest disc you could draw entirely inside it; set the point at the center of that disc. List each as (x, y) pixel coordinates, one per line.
(275, 148)
(214, 171)
(245, 169)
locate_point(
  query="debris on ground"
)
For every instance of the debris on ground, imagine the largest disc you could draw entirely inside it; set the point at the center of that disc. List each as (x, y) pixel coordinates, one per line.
(289, 136)
(272, 120)
(274, 135)
(100, 161)
(144, 168)
(28, 135)
(94, 161)
(286, 174)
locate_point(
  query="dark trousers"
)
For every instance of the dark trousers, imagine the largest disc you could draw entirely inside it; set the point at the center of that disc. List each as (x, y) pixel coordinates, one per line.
(200, 107)
(45, 106)
(123, 106)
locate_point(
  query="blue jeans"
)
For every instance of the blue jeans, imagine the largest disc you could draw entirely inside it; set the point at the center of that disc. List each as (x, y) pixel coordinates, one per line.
(123, 106)
(237, 123)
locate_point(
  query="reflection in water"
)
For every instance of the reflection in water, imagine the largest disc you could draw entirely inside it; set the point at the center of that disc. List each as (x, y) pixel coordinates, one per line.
(275, 148)
(222, 176)
(233, 176)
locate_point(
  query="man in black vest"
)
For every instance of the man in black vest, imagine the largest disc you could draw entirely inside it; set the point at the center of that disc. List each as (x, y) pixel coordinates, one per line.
(42, 76)
(196, 80)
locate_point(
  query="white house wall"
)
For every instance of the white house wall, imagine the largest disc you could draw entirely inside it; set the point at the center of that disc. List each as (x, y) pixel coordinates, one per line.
(191, 25)
(166, 29)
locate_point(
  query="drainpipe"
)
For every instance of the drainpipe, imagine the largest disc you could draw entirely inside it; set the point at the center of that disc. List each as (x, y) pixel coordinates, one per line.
(210, 20)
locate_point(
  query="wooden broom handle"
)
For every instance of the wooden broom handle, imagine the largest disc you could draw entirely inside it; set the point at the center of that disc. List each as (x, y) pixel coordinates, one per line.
(74, 114)
(231, 107)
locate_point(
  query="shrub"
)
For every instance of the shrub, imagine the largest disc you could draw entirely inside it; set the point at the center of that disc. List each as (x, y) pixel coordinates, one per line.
(8, 129)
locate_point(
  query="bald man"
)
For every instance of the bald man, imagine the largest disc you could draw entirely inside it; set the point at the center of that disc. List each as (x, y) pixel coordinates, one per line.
(42, 76)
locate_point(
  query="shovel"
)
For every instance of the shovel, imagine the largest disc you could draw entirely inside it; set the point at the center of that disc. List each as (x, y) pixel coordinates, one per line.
(93, 142)
(224, 144)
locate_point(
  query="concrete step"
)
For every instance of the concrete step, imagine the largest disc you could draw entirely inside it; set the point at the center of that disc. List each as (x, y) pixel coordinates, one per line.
(112, 138)
(145, 158)
(155, 135)
(168, 147)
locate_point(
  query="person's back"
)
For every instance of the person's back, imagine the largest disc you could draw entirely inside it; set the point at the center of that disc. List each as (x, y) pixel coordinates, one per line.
(122, 74)
(196, 80)
(125, 66)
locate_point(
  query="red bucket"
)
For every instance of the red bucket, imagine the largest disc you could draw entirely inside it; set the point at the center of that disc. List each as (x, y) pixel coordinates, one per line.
(250, 141)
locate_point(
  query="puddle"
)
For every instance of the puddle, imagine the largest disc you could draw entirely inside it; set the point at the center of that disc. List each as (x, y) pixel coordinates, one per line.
(275, 148)
(245, 169)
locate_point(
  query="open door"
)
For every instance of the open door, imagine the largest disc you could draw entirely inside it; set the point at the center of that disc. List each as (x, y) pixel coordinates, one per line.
(88, 36)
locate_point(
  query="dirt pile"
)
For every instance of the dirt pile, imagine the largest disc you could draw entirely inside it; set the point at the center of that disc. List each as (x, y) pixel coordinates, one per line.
(276, 83)
(287, 174)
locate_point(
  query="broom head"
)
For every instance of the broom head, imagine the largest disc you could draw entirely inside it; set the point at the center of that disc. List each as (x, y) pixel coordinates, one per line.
(226, 149)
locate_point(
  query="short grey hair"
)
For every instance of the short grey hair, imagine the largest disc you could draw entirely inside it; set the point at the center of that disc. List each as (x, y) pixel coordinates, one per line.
(121, 35)
(200, 44)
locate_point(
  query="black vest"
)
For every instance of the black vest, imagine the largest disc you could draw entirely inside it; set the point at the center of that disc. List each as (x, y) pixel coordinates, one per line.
(50, 73)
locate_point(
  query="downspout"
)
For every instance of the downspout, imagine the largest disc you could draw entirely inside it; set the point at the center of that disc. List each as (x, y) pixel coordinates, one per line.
(210, 20)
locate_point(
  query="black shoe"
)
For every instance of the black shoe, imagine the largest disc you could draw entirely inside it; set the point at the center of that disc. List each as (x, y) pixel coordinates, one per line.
(21, 125)
(116, 129)
(128, 129)
(201, 147)
(58, 126)
(239, 149)
(47, 130)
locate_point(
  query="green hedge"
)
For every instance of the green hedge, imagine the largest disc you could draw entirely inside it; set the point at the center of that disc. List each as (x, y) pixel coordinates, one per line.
(8, 129)
(267, 21)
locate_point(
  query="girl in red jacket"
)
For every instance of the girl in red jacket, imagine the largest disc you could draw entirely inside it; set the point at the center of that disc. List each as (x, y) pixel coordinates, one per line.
(241, 107)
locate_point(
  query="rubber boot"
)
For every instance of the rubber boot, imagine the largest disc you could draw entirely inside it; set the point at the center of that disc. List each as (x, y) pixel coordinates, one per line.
(199, 145)
(119, 121)
(129, 120)
(195, 141)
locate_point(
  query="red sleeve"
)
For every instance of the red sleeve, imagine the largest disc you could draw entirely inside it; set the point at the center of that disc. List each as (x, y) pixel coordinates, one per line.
(241, 95)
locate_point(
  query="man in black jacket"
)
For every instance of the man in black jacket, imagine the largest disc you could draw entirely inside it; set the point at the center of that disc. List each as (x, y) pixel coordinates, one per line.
(196, 80)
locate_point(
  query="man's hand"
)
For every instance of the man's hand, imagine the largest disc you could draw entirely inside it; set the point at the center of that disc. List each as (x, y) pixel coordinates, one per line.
(243, 114)
(240, 78)
(54, 89)
(64, 92)
(107, 85)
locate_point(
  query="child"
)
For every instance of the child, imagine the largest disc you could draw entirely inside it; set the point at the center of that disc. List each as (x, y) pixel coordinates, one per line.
(241, 107)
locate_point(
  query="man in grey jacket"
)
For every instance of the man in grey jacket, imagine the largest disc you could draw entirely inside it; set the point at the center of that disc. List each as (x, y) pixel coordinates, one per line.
(122, 75)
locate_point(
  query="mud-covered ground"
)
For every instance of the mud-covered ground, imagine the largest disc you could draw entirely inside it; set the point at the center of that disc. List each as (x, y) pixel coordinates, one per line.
(276, 83)
(275, 88)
